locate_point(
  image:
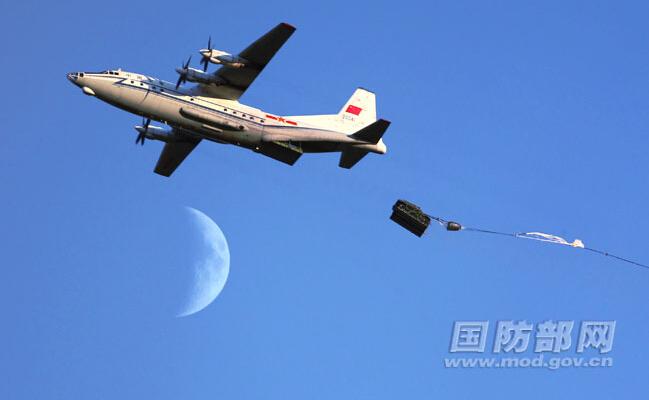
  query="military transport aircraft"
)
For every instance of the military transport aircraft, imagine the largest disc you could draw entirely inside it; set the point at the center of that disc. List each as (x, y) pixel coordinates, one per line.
(211, 110)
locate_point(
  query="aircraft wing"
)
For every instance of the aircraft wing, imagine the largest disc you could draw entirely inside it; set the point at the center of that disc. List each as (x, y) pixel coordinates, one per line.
(258, 54)
(173, 154)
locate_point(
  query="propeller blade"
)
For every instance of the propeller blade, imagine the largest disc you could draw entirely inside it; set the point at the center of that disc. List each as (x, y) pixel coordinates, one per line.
(142, 135)
(182, 75)
(206, 59)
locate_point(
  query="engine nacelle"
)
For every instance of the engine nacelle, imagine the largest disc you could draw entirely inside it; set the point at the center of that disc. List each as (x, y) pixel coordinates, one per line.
(230, 61)
(156, 133)
(198, 76)
(221, 57)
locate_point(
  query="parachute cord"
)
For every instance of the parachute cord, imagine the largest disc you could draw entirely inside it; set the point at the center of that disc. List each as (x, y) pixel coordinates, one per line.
(600, 252)
(441, 221)
(607, 254)
(488, 231)
(577, 244)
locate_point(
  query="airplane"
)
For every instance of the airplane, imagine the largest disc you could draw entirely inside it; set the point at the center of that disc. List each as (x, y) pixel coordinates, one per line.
(211, 110)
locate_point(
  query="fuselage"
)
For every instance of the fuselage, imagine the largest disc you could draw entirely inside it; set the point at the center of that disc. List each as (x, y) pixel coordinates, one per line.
(190, 112)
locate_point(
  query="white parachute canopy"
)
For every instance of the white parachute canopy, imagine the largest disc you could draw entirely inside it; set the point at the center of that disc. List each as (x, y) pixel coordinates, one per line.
(546, 237)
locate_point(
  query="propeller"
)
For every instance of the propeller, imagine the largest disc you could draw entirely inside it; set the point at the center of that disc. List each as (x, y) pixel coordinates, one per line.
(142, 135)
(182, 78)
(206, 59)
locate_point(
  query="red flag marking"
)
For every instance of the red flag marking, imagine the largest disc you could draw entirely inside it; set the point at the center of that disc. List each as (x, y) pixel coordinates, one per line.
(353, 110)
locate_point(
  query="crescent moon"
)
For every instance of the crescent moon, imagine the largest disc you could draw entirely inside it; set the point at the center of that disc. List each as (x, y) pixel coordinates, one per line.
(210, 272)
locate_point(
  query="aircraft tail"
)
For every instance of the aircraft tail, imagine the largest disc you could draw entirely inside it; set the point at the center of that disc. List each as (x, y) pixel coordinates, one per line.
(358, 112)
(357, 119)
(349, 157)
(371, 134)
(360, 109)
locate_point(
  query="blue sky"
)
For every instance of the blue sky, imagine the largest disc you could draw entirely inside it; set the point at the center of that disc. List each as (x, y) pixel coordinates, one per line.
(510, 115)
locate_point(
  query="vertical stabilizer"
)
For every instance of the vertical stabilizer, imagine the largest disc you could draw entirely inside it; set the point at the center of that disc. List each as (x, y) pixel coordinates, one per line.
(360, 109)
(358, 112)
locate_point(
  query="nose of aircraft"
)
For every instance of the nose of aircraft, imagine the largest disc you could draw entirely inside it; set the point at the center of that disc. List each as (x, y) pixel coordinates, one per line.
(74, 77)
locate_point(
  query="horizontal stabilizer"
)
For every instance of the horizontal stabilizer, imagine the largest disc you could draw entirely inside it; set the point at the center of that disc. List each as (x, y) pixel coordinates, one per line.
(349, 157)
(373, 132)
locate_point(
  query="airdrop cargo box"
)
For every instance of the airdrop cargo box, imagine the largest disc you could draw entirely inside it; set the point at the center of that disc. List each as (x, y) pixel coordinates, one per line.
(410, 217)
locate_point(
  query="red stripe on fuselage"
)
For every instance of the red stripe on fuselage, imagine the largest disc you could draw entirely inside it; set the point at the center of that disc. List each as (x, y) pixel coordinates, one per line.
(280, 119)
